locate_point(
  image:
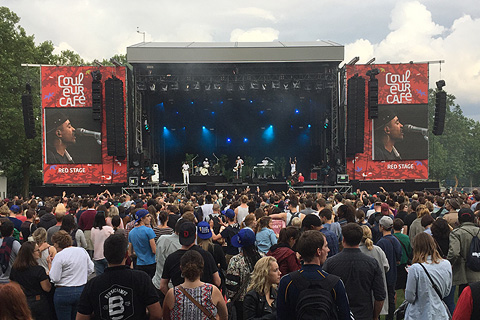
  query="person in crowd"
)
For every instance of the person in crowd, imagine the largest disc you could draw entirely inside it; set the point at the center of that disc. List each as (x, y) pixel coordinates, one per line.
(346, 214)
(242, 210)
(47, 220)
(425, 300)
(367, 247)
(286, 258)
(204, 240)
(166, 245)
(328, 222)
(466, 307)
(312, 222)
(181, 301)
(426, 222)
(171, 269)
(393, 250)
(100, 232)
(259, 302)
(59, 214)
(111, 212)
(250, 222)
(116, 221)
(120, 292)
(69, 225)
(142, 243)
(398, 227)
(451, 216)
(416, 226)
(33, 279)
(9, 248)
(240, 268)
(441, 235)
(308, 209)
(14, 302)
(28, 226)
(459, 247)
(70, 269)
(162, 228)
(360, 218)
(85, 223)
(313, 248)
(47, 252)
(12, 216)
(265, 236)
(227, 234)
(361, 274)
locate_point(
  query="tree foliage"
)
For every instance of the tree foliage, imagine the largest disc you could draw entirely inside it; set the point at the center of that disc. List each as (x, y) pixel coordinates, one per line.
(453, 154)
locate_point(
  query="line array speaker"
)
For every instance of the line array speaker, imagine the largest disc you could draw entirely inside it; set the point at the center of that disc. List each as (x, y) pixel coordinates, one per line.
(355, 115)
(28, 119)
(115, 118)
(440, 111)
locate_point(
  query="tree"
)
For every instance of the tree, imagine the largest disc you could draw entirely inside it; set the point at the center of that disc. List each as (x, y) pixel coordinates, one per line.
(20, 158)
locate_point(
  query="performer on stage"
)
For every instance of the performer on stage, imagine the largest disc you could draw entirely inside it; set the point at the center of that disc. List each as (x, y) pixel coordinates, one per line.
(293, 166)
(186, 173)
(238, 166)
(60, 135)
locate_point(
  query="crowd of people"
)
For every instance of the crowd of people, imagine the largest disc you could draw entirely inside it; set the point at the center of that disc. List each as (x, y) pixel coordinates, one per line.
(241, 255)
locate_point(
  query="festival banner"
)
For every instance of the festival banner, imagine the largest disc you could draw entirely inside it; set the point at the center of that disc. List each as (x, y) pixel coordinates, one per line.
(396, 143)
(74, 144)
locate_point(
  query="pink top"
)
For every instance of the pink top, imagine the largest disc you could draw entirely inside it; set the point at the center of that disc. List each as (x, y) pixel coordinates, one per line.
(108, 220)
(98, 238)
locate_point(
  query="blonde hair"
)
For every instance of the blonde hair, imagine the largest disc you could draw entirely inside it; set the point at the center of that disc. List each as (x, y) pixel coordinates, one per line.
(60, 208)
(40, 235)
(205, 243)
(423, 246)
(367, 237)
(258, 280)
(296, 222)
(422, 211)
(113, 211)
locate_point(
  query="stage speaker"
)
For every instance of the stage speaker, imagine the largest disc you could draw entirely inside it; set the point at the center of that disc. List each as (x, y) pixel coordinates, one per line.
(28, 119)
(440, 111)
(97, 100)
(342, 178)
(115, 118)
(355, 115)
(373, 98)
(133, 181)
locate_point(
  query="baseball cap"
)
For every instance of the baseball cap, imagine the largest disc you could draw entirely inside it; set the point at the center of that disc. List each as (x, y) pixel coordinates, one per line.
(203, 230)
(229, 213)
(186, 233)
(15, 208)
(245, 237)
(140, 214)
(466, 212)
(386, 222)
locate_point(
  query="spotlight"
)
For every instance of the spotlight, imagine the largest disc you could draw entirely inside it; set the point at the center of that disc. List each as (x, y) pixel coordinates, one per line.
(245, 140)
(203, 127)
(309, 126)
(440, 84)
(353, 61)
(152, 86)
(229, 140)
(217, 86)
(196, 85)
(286, 85)
(208, 86)
(97, 63)
(296, 84)
(115, 62)
(163, 86)
(264, 86)
(275, 84)
(297, 111)
(254, 85)
(174, 86)
(241, 87)
(370, 61)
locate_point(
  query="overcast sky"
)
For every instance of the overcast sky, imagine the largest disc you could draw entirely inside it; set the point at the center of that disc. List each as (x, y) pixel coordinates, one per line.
(396, 31)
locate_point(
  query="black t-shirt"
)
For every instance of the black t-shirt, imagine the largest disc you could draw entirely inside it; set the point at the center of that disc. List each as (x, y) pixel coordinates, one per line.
(228, 234)
(30, 279)
(171, 269)
(401, 215)
(119, 293)
(27, 229)
(410, 218)
(172, 220)
(217, 252)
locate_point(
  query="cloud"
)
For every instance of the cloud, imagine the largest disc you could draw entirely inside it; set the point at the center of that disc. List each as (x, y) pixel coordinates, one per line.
(414, 36)
(257, 13)
(254, 35)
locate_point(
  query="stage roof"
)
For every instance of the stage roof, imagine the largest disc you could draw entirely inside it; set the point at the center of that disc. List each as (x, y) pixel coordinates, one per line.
(235, 52)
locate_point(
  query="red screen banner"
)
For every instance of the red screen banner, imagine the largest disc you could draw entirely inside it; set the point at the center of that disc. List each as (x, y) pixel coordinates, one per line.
(402, 96)
(74, 144)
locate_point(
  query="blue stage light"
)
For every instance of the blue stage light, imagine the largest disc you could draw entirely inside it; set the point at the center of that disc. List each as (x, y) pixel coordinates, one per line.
(261, 112)
(213, 112)
(229, 140)
(245, 140)
(309, 125)
(164, 128)
(297, 111)
(251, 101)
(204, 128)
(221, 102)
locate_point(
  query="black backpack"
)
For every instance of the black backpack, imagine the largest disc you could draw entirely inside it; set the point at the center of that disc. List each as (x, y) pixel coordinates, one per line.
(315, 300)
(216, 223)
(473, 257)
(293, 215)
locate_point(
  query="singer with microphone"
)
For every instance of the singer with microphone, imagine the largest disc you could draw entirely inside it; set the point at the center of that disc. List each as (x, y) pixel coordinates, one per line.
(60, 134)
(388, 131)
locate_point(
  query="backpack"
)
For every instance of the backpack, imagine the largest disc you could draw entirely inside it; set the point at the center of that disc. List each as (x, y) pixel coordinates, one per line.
(216, 223)
(294, 215)
(315, 300)
(473, 257)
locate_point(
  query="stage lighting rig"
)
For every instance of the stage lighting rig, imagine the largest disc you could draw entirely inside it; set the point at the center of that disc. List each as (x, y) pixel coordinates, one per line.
(97, 63)
(115, 62)
(440, 84)
(353, 61)
(370, 61)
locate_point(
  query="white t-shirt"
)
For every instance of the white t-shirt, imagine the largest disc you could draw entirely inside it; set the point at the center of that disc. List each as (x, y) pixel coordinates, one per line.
(185, 167)
(71, 267)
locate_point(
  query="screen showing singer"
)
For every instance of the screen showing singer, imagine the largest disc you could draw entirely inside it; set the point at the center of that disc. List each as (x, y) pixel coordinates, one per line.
(401, 133)
(72, 136)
